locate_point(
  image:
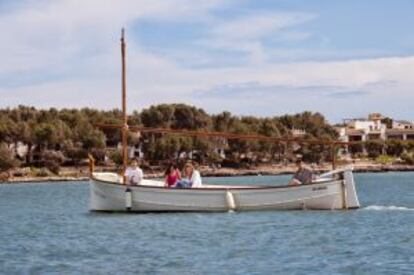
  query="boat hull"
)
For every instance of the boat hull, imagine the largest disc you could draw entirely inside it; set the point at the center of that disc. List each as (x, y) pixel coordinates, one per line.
(324, 195)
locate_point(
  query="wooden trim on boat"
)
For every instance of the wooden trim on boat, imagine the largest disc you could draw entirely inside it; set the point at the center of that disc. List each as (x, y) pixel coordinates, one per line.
(218, 188)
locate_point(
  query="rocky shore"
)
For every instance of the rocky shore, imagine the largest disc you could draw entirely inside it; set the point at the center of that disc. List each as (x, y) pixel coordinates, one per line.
(70, 174)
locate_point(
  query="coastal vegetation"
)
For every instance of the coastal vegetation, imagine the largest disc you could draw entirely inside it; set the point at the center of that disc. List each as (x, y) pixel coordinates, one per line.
(53, 138)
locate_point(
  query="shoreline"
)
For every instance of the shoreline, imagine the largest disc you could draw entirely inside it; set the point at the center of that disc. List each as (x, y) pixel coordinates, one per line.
(228, 172)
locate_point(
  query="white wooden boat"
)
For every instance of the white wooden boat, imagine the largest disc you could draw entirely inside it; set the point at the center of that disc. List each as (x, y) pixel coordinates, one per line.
(333, 190)
(330, 191)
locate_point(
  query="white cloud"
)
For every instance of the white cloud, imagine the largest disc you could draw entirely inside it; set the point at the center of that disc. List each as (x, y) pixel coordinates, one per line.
(258, 25)
(77, 42)
(48, 33)
(246, 33)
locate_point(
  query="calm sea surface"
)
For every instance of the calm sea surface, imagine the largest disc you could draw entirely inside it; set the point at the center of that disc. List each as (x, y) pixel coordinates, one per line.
(47, 228)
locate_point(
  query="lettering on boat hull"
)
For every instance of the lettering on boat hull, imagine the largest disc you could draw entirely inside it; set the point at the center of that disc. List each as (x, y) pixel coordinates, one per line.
(319, 188)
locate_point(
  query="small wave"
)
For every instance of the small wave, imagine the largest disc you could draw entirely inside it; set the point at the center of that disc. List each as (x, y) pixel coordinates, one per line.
(384, 207)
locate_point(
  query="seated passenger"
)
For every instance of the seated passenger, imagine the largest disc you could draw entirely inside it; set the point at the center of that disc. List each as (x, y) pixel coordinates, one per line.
(303, 175)
(192, 177)
(172, 175)
(133, 173)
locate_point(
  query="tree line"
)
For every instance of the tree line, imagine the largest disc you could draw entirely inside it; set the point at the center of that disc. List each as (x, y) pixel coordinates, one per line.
(53, 137)
(374, 149)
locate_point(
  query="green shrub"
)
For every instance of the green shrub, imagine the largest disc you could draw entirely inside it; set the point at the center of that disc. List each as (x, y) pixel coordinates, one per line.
(395, 147)
(356, 149)
(53, 160)
(408, 158)
(42, 172)
(116, 157)
(385, 159)
(374, 148)
(410, 146)
(7, 159)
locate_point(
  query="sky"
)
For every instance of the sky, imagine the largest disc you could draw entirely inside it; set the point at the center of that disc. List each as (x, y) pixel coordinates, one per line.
(341, 58)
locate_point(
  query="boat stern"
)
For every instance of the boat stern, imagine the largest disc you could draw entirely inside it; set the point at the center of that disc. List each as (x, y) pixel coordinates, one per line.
(351, 196)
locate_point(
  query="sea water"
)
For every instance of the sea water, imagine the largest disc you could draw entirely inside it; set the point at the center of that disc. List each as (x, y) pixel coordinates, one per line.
(46, 228)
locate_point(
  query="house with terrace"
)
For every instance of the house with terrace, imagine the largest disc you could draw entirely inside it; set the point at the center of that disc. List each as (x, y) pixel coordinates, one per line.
(375, 127)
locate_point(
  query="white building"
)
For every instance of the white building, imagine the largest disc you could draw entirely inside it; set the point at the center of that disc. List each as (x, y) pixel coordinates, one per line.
(372, 128)
(402, 124)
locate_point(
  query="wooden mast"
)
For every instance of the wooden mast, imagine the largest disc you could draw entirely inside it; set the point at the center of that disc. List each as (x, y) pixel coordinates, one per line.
(333, 156)
(124, 112)
(125, 128)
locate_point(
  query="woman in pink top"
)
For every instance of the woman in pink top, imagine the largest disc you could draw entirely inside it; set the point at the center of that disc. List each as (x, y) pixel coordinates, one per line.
(172, 175)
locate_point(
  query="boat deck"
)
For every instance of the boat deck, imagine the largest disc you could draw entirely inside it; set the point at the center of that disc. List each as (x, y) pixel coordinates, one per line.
(116, 179)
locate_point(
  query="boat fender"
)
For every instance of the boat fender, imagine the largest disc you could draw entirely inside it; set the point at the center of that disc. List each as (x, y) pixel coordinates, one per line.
(128, 199)
(231, 204)
(344, 196)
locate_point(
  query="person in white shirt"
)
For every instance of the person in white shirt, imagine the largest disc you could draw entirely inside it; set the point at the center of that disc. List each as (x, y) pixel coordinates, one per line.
(192, 177)
(133, 173)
